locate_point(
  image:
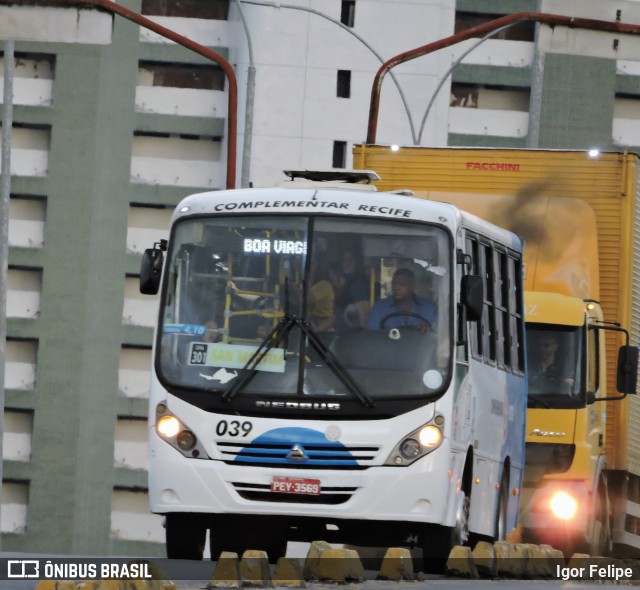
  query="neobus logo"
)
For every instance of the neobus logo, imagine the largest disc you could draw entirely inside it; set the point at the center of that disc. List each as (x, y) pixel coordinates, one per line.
(499, 166)
(298, 405)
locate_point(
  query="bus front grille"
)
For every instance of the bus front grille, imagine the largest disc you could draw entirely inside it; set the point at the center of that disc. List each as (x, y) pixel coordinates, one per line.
(263, 493)
(298, 456)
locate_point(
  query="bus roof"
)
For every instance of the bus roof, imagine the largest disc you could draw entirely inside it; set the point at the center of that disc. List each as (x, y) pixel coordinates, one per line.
(337, 201)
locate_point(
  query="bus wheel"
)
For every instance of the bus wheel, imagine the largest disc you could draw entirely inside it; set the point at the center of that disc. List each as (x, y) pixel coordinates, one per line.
(501, 513)
(185, 536)
(226, 538)
(274, 546)
(461, 528)
(239, 541)
(437, 541)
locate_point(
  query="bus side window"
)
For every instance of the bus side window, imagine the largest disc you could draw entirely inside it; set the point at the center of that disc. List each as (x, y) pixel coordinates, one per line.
(475, 328)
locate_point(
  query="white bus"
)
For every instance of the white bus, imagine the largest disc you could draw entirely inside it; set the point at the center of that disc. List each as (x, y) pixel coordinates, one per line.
(280, 410)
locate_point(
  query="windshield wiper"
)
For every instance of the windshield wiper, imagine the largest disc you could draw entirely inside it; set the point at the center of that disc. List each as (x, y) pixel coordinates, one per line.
(334, 364)
(274, 338)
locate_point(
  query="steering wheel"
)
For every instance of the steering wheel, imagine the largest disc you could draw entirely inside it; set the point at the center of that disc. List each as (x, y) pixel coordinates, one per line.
(406, 314)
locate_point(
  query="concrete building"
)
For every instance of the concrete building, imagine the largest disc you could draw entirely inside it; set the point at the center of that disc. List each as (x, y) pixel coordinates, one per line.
(106, 140)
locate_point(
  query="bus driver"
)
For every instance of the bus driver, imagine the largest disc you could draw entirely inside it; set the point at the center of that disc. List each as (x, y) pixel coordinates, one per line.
(408, 309)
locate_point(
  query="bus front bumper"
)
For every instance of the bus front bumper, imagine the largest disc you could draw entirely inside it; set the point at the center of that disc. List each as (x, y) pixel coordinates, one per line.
(421, 492)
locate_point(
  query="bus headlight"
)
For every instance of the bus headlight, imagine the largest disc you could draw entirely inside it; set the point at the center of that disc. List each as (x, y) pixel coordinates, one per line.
(409, 448)
(417, 444)
(430, 436)
(563, 506)
(186, 440)
(178, 435)
(168, 426)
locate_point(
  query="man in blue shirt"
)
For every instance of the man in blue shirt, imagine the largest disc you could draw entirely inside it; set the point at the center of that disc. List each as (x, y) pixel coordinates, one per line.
(403, 302)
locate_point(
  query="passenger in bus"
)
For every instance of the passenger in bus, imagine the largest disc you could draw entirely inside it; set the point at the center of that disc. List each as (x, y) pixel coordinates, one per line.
(321, 300)
(351, 292)
(408, 308)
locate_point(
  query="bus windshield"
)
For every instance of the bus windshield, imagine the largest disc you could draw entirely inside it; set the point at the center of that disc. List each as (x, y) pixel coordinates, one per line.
(303, 307)
(554, 356)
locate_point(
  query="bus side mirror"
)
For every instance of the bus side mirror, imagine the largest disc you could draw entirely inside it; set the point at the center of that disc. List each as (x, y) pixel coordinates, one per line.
(627, 376)
(472, 296)
(151, 271)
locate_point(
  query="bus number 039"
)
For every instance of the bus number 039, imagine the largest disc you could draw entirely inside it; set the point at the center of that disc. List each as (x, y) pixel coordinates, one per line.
(233, 428)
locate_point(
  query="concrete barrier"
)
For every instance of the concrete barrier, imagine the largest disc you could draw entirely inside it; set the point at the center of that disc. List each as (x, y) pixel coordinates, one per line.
(460, 563)
(254, 569)
(340, 565)
(522, 556)
(288, 572)
(507, 564)
(484, 558)
(397, 565)
(227, 572)
(312, 562)
(555, 558)
(541, 560)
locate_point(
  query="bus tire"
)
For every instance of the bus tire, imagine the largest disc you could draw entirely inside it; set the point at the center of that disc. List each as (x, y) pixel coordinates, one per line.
(437, 541)
(274, 546)
(237, 540)
(185, 536)
(500, 530)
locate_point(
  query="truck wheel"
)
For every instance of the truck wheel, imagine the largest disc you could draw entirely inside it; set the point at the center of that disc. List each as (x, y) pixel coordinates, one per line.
(600, 545)
(185, 536)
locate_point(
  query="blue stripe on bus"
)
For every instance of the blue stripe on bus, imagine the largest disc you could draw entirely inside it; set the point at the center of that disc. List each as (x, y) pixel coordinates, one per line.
(280, 441)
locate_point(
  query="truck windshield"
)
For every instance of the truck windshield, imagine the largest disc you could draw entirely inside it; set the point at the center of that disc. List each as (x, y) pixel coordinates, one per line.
(305, 308)
(554, 356)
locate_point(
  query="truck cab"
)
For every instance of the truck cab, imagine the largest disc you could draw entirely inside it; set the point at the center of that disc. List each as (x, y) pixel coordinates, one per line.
(565, 487)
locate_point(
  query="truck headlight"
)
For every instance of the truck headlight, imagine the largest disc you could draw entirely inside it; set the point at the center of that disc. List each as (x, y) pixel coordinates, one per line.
(563, 506)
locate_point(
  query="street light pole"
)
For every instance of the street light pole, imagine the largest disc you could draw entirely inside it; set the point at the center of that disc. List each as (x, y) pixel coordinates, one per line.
(245, 176)
(5, 193)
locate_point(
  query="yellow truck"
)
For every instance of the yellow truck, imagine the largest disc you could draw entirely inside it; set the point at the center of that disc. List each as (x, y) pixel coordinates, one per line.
(577, 213)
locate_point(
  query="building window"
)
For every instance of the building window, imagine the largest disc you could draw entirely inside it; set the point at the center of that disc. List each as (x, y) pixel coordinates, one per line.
(339, 154)
(464, 95)
(172, 75)
(486, 96)
(348, 12)
(211, 9)
(523, 31)
(344, 84)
